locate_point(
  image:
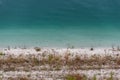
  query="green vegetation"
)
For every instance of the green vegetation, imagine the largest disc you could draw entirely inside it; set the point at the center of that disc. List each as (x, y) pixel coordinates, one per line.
(74, 77)
(70, 78)
(1, 53)
(111, 76)
(94, 77)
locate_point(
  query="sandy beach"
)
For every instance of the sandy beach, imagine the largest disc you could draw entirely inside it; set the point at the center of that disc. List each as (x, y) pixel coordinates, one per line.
(59, 39)
(59, 63)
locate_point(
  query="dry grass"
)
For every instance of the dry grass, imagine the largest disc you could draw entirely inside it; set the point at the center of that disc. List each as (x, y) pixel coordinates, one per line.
(77, 76)
(57, 61)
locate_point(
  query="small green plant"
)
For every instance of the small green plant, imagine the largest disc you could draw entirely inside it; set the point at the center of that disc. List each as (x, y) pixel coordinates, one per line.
(94, 77)
(75, 77)
(85, 77)
(69, 77)
(1, 76)
(1, 53)
(111, 76)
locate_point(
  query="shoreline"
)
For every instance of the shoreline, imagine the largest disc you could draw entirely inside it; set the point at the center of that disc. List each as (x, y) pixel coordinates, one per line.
(73, 50)
(62, 46)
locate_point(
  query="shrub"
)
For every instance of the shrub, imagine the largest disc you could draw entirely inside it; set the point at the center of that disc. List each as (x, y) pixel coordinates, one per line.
(37, 49)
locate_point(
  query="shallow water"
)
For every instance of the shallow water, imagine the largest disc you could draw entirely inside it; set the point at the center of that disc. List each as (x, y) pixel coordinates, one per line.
(81, 23)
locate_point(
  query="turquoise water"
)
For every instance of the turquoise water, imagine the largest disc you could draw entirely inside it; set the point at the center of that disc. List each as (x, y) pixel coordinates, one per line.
(59, 23)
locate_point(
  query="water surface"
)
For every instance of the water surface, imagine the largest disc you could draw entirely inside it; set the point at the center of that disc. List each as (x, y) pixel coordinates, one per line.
(59, 23)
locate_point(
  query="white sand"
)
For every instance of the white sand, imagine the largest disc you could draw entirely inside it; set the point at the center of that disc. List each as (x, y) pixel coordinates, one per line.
(86, 51)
